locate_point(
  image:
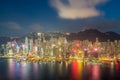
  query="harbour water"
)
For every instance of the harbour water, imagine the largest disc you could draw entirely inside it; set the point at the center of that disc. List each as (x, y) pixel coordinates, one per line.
(10, 69)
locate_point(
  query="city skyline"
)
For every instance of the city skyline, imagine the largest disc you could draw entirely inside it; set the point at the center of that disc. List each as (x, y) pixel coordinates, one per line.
(21, 17)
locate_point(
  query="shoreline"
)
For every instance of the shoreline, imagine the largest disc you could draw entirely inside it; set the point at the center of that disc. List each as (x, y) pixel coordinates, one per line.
(59, 59)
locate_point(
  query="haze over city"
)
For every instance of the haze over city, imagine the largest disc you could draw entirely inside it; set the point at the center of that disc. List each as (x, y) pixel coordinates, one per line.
(19, 17)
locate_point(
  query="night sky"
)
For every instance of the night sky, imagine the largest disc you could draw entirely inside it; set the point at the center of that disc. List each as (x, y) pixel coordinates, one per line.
(19, 17)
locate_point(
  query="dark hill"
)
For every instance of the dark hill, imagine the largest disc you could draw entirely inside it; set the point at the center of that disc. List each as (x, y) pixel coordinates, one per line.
(4, 40)
(92, 34)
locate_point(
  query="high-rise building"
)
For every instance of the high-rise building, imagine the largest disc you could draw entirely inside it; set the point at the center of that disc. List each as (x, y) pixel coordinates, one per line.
(26, 45)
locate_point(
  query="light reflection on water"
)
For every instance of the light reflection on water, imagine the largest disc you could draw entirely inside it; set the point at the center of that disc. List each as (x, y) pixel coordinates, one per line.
(67, 70)
(77, 68)
(11, 68)
(96, 72)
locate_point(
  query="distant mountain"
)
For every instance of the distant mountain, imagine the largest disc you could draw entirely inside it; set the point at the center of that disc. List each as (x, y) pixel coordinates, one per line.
(88, 34)
(92, 34)
(4, 40)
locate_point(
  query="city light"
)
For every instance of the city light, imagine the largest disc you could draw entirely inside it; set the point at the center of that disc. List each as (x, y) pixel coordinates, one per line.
(60, 48)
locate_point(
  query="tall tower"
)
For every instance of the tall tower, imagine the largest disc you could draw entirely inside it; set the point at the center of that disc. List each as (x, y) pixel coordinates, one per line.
(26, 45)
(39, 42)
(31, 44)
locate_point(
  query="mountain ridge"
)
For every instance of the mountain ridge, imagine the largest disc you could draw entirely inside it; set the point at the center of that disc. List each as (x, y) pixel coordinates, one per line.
(92, 34)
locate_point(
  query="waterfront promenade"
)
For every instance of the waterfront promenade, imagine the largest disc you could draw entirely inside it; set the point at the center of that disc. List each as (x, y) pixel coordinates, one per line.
(34, 58)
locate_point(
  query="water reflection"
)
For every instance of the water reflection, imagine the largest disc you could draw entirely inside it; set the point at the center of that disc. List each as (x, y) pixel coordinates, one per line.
(96, 72)
(51, 70)
(112, 68)
(24, 70)
(35, 70)
(77, 68)
(60, 68)
(11, 68)
(116, 66)
(66, 70)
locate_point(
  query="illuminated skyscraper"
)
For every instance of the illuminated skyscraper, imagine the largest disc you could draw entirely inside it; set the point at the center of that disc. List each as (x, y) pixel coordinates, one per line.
(26, 45)
(31, 44)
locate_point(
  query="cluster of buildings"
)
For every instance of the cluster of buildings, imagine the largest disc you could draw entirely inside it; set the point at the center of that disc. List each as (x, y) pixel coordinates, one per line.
(58, 46)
